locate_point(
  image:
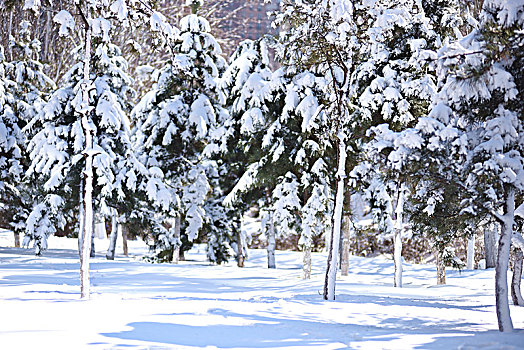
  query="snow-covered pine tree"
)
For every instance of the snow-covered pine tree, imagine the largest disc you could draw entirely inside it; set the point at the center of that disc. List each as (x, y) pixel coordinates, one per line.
(27, 85)
(116, 165)
(489, 88)
(324, 37)
(60, 142)
(470, 140)
(222, 229)
(276, 115)
(248, 64)
(69, 138)
(11, 151)
(395, 85)
(299, 155)
(58, 139)
(244, 77)
(175, 121)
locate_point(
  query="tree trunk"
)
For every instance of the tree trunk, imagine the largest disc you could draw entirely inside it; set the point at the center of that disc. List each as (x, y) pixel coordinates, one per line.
(490, 252)
(397, 239)
(9, 33)
(240, 249)
(516, 294)
(81, 220)
(501, 270)
(441, 267)
(110, 255)
(47, 34)
(397, 257)
(176, 249)
(124, 240)
(306, 263)
(346, 235)
(92, 252)
(331, 269)
(271, 244)
(470, 254)
(85, 283)
(17, 239)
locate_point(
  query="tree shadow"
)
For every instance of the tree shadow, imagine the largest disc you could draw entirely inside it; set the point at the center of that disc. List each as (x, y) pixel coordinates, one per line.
(278, 331)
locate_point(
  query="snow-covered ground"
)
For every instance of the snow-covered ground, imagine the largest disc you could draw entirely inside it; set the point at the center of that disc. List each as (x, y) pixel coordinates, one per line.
(137, 305)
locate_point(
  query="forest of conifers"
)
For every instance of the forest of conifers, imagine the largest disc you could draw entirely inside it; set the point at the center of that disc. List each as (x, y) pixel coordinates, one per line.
(364, 126)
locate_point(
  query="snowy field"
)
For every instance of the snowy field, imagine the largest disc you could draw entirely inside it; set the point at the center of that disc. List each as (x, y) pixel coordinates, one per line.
(195, 305)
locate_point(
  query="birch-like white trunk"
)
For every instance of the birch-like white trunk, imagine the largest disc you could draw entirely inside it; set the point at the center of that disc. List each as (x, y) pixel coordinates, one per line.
(516, 293)
(397, 247)
(331, 269)
(397, 257)
(240, 249)
(81, 220)
(271, 243)
(346, 235)
(490, 252)
(306, 263)
(176, 250)
(85, 284)
(501, 270)
(17, 239)
(470, 253)
(110, 255)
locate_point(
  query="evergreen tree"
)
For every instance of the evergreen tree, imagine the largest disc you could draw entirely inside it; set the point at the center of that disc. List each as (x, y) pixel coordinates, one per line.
(395, 84)
(246, 76)
(175, 122)
(470, 140)
(279, 120)
(326, 38)
(27, 85)
(11, 150)
(58, 142)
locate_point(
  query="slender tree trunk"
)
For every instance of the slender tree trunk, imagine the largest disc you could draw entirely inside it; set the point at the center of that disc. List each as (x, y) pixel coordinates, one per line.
(81, 220)
(85, 284)
(327, 239)
(110, 255)
(47, 34)
(124, 240)
(397, 257)
(176, 249)
(470, 254)
(271, 243)
(17, 239)
(9, 33)
(240, 249)
(441, 267)
(516, 294)
(92, 252)
(490, 251)
(346, 235)
(501, 270)
(331, 269)
(397, 247)
(306, 263)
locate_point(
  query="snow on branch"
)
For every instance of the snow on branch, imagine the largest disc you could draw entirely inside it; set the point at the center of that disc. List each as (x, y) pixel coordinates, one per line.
(66, 22)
